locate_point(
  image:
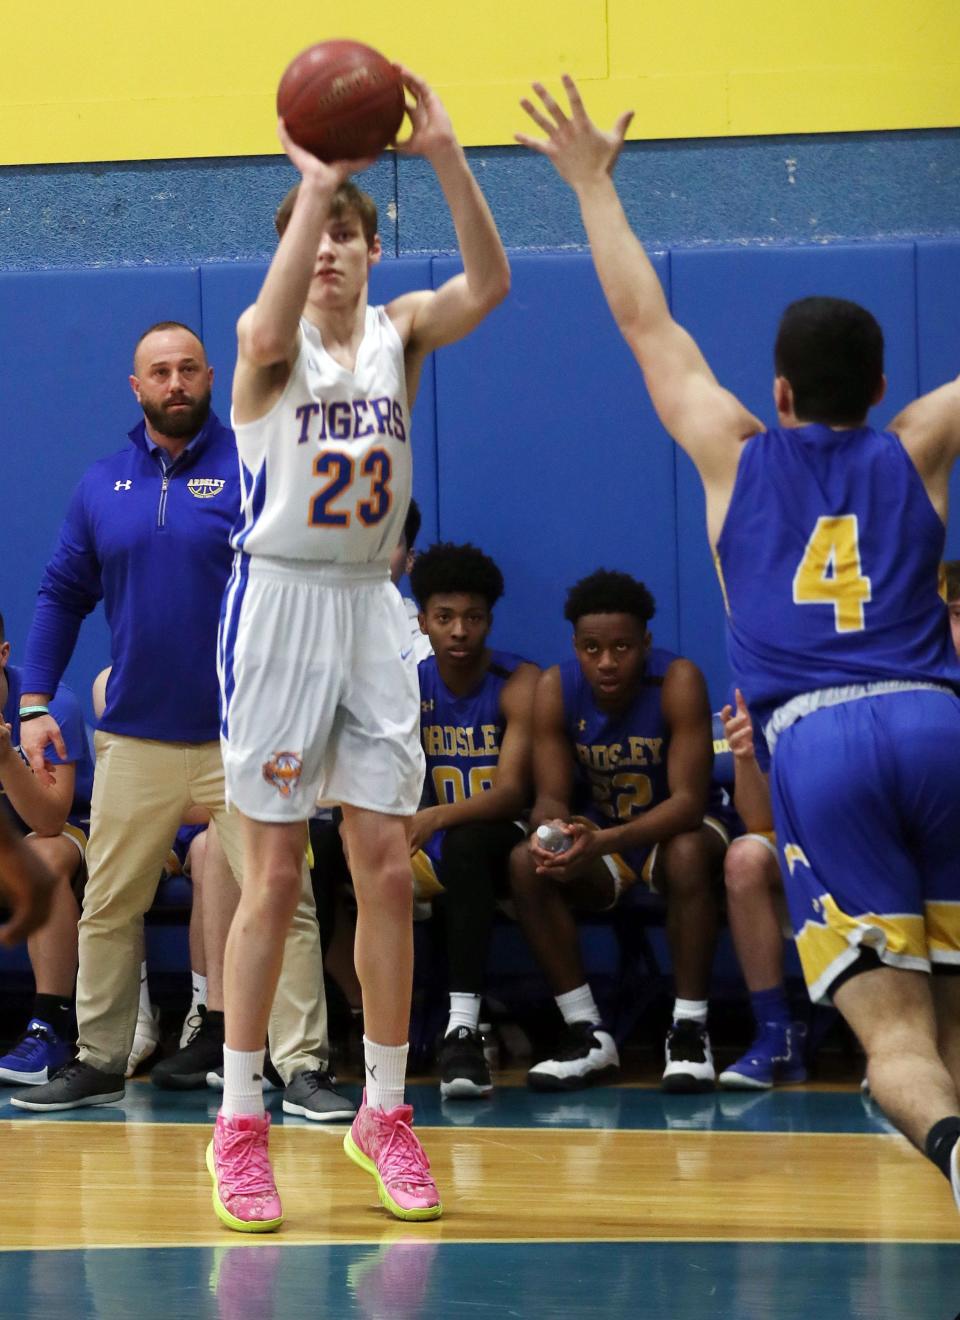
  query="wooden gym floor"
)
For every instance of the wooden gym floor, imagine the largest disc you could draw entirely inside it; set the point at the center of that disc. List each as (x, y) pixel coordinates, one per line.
(615, 1202)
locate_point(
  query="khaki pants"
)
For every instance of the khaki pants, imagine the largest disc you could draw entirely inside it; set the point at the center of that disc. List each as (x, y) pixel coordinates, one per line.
(140, 792)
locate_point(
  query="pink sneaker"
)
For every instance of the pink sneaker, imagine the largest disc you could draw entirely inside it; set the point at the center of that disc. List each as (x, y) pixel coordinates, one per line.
(384, 1145)
(244, 1193)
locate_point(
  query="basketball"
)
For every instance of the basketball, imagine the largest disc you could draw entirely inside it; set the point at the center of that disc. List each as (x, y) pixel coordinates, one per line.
(341, 100)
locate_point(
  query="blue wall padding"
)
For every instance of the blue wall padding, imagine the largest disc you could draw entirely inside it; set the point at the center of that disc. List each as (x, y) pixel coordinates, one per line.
(938, 339)
(228, 289)
(534, 437)
(731, 301)
(550, 456)
(66, 352)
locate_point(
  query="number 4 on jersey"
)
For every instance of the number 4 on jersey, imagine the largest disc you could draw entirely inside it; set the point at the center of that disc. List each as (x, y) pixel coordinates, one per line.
(830, 574)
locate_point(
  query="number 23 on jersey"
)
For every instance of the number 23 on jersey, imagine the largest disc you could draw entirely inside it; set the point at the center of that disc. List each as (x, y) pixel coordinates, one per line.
(830, 572)
(337, 503)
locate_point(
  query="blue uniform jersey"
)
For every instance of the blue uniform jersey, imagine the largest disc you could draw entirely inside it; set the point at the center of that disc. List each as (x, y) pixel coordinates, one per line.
(621, 758)
(461, 736)
(153, 545)
(65, 709)
(819, 591)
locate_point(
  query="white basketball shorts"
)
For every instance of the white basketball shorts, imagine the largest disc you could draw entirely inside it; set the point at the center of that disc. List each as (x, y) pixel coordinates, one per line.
(319, 695)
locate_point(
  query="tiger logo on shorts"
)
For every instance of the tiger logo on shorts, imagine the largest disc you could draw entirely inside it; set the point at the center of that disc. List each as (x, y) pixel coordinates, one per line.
(283, 771)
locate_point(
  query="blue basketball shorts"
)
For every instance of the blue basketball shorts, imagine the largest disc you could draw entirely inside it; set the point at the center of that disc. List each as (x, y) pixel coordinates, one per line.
(866, 800)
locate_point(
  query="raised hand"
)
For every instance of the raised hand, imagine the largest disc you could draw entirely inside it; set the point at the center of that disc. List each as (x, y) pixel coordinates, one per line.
(327, 173)
(578, 149)
(738, 727)
(432, 129)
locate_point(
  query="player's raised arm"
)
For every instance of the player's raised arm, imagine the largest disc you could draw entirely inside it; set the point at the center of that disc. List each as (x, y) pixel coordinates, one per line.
(428, 320)
(267, 331)
(929, 429)
(701, 416)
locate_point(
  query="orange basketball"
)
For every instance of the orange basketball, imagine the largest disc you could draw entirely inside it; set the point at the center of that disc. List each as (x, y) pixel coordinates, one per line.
(341, 100)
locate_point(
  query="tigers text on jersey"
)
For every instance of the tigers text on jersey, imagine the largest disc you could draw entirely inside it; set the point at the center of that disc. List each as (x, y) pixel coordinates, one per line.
(326, 474)
(461, 736)
(829, 558)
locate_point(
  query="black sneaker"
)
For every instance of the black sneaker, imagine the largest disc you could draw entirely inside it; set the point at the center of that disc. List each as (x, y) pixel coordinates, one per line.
(464, 1073)
(187, 1069)
(689, 1058)
(72, 1086)
(313, 1094)
(588, 1055)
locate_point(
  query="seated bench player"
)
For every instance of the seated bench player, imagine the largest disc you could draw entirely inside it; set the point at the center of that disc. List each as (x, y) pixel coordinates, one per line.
(52, 812)
(756, 907)
(622, 756)
(476, 711)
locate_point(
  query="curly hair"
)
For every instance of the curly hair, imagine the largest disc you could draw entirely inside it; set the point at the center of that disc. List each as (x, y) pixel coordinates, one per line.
(609, 592)
(445, 568)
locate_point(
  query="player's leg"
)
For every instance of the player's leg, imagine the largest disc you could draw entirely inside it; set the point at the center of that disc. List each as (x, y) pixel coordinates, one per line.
(216, 889)
(855, 791)
(245, 1195)
(587, 1052)
(473, 868)
(754, 890)
(687, 871)
(381, 1140)
(946, 1002)
(892, 1012)
(46, 1043)
(139, 796)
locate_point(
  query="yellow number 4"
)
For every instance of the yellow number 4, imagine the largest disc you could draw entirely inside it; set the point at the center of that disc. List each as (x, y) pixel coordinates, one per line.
(830, 574)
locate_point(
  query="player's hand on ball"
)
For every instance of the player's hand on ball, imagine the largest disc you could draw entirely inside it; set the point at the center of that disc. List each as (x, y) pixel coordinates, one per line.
(432, 129)
(326, 173)
(578, 149)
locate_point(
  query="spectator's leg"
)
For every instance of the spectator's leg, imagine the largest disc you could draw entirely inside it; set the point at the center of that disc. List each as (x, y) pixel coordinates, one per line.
(139, 796)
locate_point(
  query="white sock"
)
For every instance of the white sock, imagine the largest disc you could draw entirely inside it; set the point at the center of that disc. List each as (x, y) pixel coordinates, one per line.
(386, 1069)
(242, 1082)
(146, 1008)
(690, 1010)
(464, 1011)
(578, 1005)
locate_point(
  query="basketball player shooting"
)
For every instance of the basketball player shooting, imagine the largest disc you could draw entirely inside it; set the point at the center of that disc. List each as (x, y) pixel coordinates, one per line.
(319, 684)
(837, 638)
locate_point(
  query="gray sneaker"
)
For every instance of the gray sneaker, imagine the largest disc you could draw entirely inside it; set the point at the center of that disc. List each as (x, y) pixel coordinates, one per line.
(313, 1095)
(72, 1086)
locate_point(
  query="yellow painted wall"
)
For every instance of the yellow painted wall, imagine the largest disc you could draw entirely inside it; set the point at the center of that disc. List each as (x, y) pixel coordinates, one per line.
(115, 80)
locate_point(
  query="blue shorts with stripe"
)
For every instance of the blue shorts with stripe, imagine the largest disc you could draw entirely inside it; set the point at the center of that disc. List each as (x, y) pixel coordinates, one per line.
(866, 800)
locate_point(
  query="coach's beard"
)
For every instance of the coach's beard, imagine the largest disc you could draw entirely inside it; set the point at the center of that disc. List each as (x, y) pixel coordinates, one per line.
(179, 424)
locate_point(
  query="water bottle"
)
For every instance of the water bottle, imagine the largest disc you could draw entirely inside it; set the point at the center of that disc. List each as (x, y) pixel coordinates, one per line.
(553, 839)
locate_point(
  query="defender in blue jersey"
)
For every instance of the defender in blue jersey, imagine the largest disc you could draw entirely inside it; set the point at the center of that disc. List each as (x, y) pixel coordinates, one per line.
(828, 535)
(52, 812)
(476, 708)
(622, 760)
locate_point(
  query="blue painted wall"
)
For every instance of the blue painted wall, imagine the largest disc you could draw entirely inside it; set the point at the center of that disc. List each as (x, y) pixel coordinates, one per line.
(818, 188)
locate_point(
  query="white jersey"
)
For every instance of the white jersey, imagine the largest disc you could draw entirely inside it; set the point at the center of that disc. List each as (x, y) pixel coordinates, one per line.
(326, 474)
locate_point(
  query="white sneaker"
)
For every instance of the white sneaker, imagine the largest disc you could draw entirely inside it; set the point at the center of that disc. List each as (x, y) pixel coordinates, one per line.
(689, 1058)
(145, 1040)
(955, 1172)
(588, 1055)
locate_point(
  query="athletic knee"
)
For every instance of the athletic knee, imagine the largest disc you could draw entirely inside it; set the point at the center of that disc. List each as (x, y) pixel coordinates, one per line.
(389, 889)
(746, 873)
(525, 884)
(687, 866)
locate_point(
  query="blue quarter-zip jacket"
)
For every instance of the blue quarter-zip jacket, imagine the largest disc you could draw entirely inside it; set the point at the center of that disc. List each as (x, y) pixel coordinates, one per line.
(154, 547)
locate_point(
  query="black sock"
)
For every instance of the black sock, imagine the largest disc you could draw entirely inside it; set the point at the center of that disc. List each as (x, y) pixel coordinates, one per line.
(941, 1139)
(57, 1012)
